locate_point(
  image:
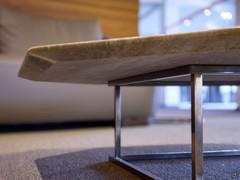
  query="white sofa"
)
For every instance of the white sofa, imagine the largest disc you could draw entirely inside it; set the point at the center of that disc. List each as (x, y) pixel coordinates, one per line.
(24, 101)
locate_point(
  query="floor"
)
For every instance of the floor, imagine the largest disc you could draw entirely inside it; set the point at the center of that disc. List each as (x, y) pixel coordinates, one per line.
(222, 128)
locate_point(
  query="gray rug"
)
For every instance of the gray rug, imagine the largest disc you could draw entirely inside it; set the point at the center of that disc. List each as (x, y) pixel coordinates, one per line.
(93, 164)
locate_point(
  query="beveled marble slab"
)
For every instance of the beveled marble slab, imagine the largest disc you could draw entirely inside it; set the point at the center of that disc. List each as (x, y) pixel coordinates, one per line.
(97, 62)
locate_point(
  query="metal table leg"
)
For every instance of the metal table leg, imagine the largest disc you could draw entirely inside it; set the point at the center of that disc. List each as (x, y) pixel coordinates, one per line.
(117, 159)
(196, 121)
(196, 126)
(117, 115)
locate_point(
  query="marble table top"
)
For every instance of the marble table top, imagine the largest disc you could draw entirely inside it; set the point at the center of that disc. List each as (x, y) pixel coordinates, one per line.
(98, 62)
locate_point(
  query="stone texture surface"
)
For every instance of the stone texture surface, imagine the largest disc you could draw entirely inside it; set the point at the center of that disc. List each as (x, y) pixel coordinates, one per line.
(98, 62)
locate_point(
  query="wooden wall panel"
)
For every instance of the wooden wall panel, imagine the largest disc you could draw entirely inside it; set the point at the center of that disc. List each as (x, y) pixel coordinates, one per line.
(117, 18)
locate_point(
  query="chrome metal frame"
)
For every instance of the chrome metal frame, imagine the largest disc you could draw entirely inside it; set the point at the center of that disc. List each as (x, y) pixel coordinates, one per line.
(196, 73)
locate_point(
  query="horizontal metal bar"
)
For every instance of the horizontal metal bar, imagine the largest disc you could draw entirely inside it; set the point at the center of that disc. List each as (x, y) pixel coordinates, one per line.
(185, 83)
(154, 78)
(123, 161)
(179, 155)
(134, 169)
(175, 72)
(223, 69)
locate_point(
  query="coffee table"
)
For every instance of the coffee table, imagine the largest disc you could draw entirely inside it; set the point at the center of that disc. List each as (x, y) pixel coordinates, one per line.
(197, 58)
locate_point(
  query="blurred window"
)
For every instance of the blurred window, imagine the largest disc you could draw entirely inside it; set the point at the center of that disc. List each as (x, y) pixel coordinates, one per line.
(171, 16)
